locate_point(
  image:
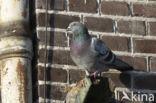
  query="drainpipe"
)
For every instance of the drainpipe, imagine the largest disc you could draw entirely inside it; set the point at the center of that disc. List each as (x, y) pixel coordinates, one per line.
(15, 52)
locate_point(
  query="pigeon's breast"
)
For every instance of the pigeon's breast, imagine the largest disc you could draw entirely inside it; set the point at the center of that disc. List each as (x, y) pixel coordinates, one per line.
(77, 48)
(82, 56)
(84, 62)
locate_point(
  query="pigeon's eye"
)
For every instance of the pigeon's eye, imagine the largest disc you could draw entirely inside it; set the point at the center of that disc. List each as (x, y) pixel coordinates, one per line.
(74, 24)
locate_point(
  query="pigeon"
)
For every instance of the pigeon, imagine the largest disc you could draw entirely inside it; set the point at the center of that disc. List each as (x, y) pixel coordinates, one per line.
(91, 53)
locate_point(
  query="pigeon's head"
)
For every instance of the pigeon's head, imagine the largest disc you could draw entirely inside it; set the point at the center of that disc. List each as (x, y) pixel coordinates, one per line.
(76, 27)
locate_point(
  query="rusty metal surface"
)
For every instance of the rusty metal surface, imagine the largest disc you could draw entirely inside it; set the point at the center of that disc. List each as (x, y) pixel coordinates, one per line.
(13, 45)
(15, 79)
(15, 52)
(15, 28)
(14, 18)
(13, 10)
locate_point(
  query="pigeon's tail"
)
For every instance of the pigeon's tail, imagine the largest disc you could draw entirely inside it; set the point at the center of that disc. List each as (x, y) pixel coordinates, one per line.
(121, 66)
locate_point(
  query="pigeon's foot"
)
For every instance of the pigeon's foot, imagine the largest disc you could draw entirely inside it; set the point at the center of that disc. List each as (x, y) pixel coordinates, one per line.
(82, 83)
(93, 74)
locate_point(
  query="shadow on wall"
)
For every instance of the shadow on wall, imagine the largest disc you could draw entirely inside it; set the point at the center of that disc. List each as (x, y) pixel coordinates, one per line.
(40, 40)
(50, 42)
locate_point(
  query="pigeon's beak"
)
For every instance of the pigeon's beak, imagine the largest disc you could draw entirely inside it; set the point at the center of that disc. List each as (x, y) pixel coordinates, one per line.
(68, 29)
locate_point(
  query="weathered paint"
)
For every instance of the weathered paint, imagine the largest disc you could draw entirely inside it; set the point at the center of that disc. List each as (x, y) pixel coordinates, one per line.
(16, 69)
(15, 52)
(15, 43)
(14, 10)
(16, 80)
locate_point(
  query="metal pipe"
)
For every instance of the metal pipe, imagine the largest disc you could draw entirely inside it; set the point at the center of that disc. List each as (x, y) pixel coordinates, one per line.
(13, 10)
(15, 52)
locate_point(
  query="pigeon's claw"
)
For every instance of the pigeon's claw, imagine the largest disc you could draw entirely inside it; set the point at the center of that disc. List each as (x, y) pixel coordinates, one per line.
(93, 74)
(82, 83)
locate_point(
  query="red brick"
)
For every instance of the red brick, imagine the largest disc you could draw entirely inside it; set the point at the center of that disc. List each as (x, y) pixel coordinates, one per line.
(52, 4)
(99, 24)
(62, 21)
(145, 81)
(116, 43)
(131, 27)
(151, 29)
(80, 6)
(114, 8)
(58, 75)
(153, 64)
(118, 79)
(53, 92)
(40, 19)
(41, 73)
(145, 46)
(76, 75)
(138, 63)
(61, 57)
(54, 57)
(41, 55)
(56, 4)
(40, 4)
(144, 10)
(53, 74)
(56, 20)
(53, 38)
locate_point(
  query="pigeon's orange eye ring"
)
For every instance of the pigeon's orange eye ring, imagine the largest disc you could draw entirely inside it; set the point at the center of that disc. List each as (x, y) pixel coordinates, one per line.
(74, 24)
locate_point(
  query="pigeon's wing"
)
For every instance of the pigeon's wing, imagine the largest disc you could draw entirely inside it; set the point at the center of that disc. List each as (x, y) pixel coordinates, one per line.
(107, 57)
(104, 54)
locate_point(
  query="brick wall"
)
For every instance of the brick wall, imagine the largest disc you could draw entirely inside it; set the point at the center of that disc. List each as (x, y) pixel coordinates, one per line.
(128, 27)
